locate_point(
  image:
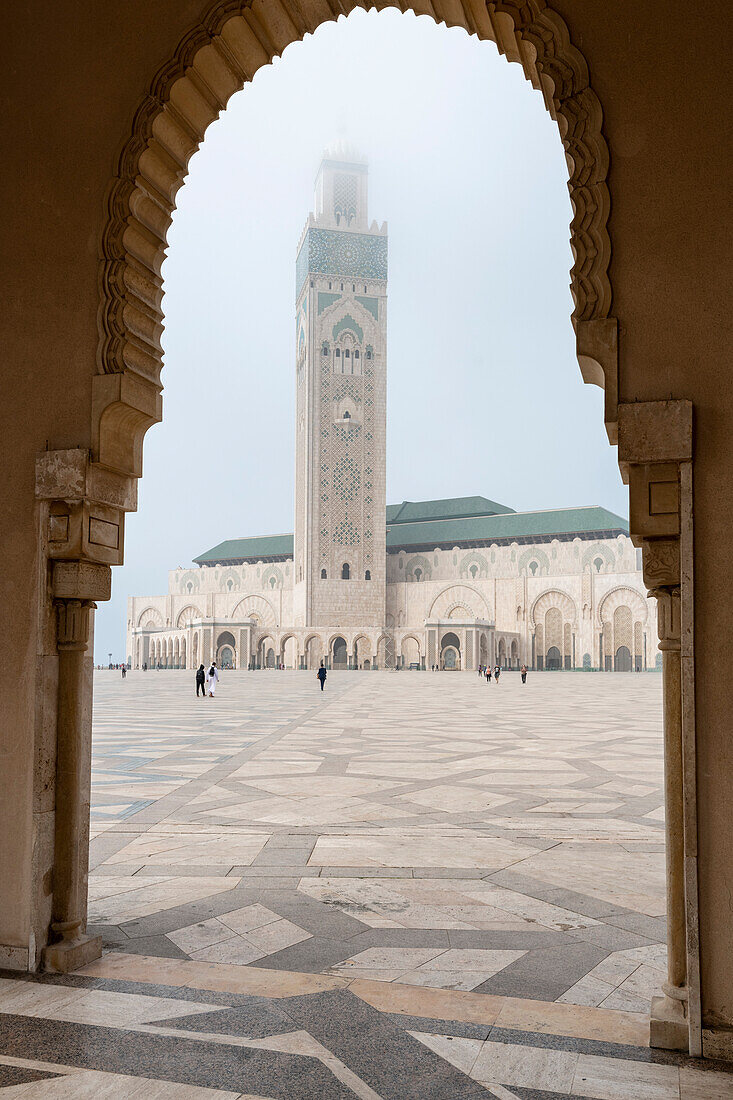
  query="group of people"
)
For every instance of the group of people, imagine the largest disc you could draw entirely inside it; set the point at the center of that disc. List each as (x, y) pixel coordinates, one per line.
(487, 671)
(206, 680)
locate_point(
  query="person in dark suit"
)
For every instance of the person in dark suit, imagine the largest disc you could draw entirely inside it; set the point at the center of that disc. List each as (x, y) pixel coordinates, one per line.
(201, 681)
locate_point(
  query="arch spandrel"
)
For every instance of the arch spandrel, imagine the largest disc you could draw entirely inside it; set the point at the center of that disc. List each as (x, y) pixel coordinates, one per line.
(150, 614)
(459, 595)
(622, 596)
(187, 614)
(258, 606)
(554, 598)
(218, 57)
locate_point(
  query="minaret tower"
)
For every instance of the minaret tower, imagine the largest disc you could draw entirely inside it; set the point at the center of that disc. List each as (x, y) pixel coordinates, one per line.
(341, 363)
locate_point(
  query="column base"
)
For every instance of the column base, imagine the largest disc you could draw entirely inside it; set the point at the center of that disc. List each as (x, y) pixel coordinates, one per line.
(68, 955)
(668, 1027)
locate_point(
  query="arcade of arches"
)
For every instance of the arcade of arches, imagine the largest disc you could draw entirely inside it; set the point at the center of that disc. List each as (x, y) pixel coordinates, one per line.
(107, 104)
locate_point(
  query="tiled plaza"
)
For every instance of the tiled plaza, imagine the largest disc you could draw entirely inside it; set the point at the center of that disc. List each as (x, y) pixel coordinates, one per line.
(413, 885)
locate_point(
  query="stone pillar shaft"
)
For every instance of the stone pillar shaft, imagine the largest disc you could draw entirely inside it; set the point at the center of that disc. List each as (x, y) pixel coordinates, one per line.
(73, 948)
(669, 626)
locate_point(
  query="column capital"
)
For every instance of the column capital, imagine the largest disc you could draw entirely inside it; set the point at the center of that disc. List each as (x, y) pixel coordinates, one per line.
(669, 620)
(661, 562)
(72, 623)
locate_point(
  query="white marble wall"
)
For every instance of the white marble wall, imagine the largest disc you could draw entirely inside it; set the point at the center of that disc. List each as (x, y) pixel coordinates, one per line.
(494, 584)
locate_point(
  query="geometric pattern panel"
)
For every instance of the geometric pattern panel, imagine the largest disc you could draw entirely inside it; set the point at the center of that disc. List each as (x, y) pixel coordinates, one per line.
(332, 252)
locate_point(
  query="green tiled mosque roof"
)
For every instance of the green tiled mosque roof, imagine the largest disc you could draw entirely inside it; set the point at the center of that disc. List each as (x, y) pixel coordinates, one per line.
(460, 521)
(452, 508)
(560, 523)
(260, 548)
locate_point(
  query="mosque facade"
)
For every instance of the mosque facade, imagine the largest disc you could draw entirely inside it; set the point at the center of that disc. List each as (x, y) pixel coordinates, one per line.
(449, 584)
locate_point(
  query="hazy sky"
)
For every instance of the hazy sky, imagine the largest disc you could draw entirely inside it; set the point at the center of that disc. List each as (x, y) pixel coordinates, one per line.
(484, 391)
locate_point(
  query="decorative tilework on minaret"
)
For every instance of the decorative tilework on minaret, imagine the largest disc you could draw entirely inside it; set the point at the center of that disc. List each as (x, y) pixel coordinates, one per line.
(341, 324)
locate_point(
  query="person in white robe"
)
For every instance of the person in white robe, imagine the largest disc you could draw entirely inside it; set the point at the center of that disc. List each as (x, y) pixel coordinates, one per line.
(212, 678)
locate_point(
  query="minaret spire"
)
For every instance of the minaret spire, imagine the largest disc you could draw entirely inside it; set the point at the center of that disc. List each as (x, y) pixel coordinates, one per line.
(341, 352)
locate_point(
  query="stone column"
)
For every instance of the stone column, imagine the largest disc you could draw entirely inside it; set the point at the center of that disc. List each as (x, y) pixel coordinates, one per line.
(655, 454)
(75, 585)
(73, 947)
(668, 1012)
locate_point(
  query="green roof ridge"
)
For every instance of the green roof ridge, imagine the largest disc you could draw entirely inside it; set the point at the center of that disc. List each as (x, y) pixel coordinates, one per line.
(590, 520)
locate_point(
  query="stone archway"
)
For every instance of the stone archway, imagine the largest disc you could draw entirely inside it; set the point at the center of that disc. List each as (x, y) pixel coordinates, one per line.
(226, 650)
(339, 652)
(450, 652)
(214, 59)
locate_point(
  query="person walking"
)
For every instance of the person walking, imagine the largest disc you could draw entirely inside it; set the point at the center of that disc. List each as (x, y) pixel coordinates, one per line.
(488, 674)
(321, 674)
(524, 674)
(124, 671)
(497, 670)
(212, 679)
(201, 682)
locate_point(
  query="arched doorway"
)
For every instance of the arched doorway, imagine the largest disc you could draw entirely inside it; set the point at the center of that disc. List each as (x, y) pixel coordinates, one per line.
(554, 658)
(410, 652)
(338, 652)
(450, 652)
(288, 652)
(362, 652)
(314, 651)
(226, 650)
(501, 653)
(623, 659)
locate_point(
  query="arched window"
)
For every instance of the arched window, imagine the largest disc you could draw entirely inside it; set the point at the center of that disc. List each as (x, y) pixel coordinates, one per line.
(342, 286)
(324, 349)
(273, 582)
(356, 354)
(345, 571)
(369, 353)
(347, 353)
(417, 574)
(338, 353)
(329, 285)
(473, 570)
(230, 584)
(347, 415)
(324, 575)
(533, 567)
(598, 562)
(368, 575)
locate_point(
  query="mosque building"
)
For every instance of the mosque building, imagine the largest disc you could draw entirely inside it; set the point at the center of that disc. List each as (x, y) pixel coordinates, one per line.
(451, 584)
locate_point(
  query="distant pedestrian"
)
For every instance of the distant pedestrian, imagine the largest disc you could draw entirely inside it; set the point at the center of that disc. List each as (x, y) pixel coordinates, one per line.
(321, 674)
(524, 674)
(497, 670)
(212, 679)
(124, 671)
(488, 674)
(201, 682)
